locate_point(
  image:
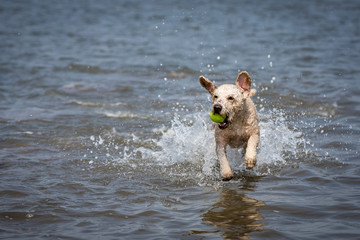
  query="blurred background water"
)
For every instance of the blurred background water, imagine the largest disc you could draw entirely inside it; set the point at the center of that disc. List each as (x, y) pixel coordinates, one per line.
(105, 131)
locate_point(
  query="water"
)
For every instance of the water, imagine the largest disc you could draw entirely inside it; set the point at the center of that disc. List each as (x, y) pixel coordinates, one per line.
(105, 131)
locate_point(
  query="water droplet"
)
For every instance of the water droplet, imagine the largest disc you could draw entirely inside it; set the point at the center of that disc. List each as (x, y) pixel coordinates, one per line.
(101, 141)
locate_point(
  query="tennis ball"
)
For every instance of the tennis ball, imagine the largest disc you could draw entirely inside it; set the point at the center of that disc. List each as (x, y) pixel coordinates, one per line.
(217, 118)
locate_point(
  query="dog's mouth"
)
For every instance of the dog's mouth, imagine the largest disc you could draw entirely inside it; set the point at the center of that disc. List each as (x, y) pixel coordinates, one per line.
(225, 123)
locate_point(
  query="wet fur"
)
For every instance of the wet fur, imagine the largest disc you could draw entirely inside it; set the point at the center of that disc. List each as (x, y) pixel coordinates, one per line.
(241, 125)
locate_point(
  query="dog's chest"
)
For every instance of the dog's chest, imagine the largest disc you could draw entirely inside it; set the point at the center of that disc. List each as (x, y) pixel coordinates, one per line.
(235, 138)
(238, 138)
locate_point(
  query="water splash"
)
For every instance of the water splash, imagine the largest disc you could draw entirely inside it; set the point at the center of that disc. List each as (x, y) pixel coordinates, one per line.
(189, 140)
(186, 149)
(195, 143)
(279, 144)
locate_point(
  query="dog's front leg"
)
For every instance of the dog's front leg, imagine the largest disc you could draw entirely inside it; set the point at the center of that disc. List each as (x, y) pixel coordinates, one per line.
(250, 154)
(226, 173)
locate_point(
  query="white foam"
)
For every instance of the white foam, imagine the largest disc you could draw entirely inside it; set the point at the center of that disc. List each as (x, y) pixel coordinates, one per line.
(278, 142)
(195, 143)
(186, 149)
(189, 139)
(121, 114)
(97, 104)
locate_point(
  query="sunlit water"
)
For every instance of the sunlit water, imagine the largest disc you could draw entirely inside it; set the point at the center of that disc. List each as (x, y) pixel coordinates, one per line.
(105, 129)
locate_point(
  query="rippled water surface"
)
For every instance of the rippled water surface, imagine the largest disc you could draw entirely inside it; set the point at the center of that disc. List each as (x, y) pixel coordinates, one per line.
(105, 132)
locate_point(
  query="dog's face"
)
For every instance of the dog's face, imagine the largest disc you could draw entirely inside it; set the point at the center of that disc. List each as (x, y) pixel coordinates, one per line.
(228, 99)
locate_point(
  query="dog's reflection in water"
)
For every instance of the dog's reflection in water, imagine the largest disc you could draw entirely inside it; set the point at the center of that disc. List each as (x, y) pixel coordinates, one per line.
(236, 215)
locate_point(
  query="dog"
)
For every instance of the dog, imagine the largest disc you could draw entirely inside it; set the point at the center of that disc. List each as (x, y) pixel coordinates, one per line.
(240, 127)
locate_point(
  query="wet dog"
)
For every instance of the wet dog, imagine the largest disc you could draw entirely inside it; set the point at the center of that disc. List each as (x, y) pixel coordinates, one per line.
(240, 127)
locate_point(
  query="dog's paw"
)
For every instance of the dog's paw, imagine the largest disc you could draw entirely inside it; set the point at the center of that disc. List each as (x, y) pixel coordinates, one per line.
(250, 162)
(227, 177)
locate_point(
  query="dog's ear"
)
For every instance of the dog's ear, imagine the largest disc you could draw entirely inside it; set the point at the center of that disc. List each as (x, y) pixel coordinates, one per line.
(207, 84)
(243, 82)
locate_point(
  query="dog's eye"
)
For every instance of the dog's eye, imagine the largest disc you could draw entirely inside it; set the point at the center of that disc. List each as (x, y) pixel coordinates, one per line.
(230, 98)
(215, 97)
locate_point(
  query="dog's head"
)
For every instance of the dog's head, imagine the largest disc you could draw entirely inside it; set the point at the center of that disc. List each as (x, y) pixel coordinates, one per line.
(229, 99)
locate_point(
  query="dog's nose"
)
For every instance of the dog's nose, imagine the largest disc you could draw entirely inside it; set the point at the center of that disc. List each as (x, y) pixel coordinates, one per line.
(217, 108)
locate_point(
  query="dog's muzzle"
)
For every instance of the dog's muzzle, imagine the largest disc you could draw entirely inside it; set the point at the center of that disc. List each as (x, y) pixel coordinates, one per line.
(217, 109)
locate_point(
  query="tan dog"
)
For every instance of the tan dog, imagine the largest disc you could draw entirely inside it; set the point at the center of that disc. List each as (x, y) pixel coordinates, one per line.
(240, 128)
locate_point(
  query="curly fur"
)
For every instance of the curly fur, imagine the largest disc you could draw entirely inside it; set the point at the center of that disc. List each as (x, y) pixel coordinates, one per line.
(240, 128)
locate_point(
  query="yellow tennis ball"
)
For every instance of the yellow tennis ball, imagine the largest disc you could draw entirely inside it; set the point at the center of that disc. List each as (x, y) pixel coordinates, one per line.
(217, 118)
